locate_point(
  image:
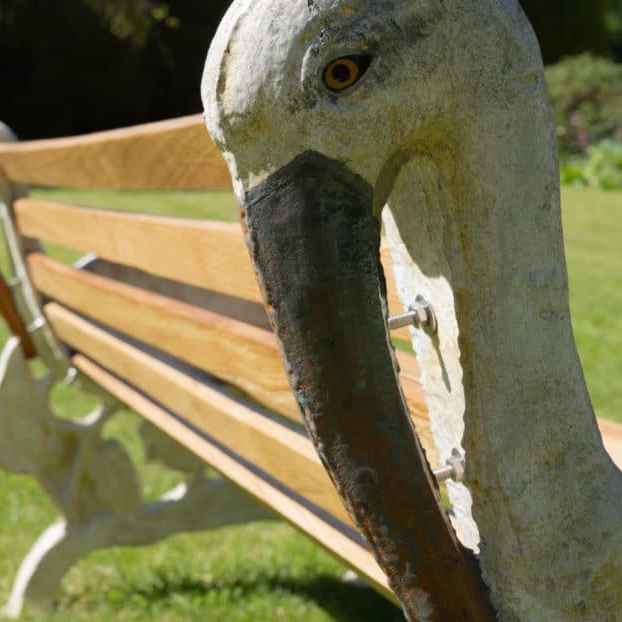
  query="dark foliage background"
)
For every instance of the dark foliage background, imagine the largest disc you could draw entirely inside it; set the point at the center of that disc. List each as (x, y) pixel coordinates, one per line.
(74, 66)
(567, 27)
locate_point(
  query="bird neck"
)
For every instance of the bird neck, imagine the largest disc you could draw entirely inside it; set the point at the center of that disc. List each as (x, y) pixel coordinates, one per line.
(523, 382)
(495, 271)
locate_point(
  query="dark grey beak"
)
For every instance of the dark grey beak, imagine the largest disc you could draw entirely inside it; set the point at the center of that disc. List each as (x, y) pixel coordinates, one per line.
(315, 244)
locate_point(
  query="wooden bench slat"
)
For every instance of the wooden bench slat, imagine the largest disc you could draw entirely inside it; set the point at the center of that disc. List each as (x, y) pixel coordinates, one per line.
(279, 450)
(214, 343)
(345, 548)
(175, 248)
(393, 300)
(167, 155)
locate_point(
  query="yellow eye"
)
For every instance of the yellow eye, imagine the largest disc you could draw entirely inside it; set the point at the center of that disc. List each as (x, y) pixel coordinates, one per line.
(343, 72)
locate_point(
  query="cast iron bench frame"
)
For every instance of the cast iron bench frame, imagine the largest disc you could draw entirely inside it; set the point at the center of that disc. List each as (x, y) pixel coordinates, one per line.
(162, 314)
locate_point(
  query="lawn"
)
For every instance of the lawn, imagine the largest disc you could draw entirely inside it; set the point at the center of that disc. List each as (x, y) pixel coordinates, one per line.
(266, 571)
(593, 238)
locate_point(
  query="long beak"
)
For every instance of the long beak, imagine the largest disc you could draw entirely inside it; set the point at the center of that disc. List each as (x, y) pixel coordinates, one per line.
(315, 244)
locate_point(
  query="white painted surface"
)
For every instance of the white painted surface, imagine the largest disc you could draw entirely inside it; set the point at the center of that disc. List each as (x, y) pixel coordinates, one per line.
(452, 125)
(94, 484)
(438, 356)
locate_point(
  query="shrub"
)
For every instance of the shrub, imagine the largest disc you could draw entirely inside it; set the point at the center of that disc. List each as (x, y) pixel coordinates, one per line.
(587, 97)
(587, 100)
(568, 27)
(602, 168)
(613, 24)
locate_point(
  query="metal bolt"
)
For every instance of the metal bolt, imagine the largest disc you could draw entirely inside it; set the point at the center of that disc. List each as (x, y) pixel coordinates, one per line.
(71, 376)
(454, 468)
(419, 315)
(36, 325)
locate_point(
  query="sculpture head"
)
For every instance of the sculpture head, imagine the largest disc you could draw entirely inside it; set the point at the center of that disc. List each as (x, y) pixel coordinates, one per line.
(363, 82)
(324, 111)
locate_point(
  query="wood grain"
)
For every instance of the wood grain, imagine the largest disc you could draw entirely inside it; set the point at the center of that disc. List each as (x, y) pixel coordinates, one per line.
(228, 349)
(207, 254)
(612, 439)
(393, 299)
(168, 155)
(203, 253)
(275, 448)
(312, 524)
(235, 352)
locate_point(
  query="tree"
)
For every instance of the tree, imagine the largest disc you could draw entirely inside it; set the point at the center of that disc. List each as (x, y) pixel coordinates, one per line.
(566, 27)
(613, 22)
(92, 65)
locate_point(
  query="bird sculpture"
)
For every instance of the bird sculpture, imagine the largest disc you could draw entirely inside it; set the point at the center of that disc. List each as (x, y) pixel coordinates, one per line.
(432, 115)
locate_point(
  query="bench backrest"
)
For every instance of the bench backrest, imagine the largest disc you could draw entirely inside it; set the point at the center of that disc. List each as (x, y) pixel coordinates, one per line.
(165, 314)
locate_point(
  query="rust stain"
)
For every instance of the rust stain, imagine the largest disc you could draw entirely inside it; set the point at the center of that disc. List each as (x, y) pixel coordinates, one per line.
(315, 244)
(14, 321)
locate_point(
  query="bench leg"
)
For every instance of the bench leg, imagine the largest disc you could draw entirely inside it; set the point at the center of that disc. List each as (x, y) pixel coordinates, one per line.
(206, 504)
(95, 485)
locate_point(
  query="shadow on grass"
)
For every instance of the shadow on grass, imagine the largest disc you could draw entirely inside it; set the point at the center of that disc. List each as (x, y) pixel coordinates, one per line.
(345, 602)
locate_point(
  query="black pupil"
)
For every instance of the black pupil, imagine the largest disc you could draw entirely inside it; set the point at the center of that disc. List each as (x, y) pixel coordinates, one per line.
(345, 71)
(341, 72)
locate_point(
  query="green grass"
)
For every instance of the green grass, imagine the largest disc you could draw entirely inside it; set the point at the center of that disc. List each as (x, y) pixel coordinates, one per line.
(217, 205)
(267, 572)
(593, 238)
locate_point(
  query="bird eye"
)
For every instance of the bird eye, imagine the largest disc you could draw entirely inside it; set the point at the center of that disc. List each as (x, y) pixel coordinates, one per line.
(344, 72)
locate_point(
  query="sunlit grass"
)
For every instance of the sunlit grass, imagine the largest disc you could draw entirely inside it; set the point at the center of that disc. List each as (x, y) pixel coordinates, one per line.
(216, 205)
(593, 237)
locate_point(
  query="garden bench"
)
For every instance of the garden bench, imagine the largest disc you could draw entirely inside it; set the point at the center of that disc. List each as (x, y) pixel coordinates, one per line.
(162, 314)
